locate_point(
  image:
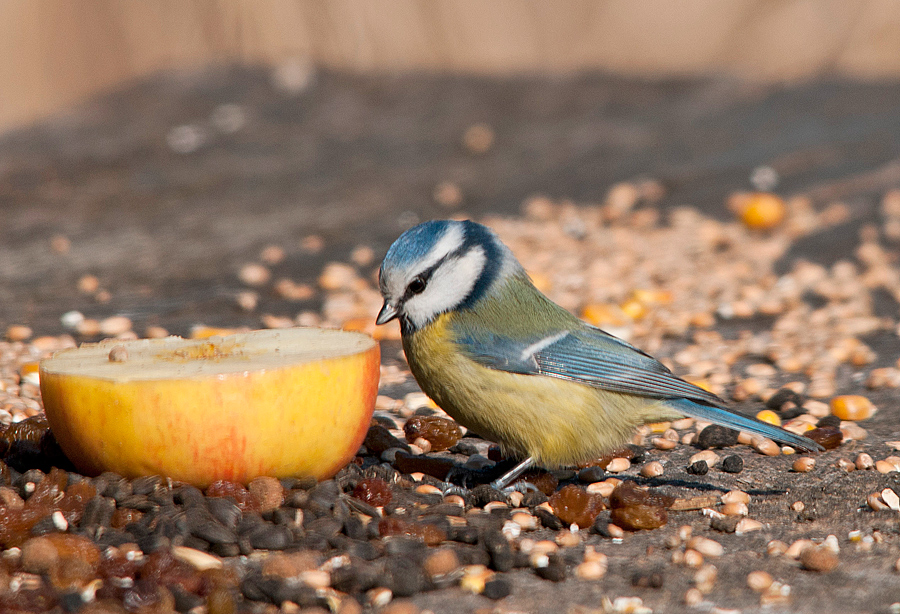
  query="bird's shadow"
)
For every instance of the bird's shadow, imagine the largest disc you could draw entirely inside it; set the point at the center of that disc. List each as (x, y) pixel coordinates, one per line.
(701, 486)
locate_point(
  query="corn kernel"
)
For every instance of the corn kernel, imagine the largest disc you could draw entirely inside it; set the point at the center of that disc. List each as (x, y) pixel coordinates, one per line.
(767, 415)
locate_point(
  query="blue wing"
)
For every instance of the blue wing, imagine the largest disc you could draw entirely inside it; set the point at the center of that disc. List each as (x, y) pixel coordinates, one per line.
(593, 357)
(588, 356)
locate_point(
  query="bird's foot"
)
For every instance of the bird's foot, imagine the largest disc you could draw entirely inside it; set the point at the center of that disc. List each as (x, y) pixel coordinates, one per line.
(453, 489)
(466, 478)
(523, 487)
(461, 480)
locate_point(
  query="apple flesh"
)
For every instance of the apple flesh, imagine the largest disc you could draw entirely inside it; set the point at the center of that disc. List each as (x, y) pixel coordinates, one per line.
(291, 402)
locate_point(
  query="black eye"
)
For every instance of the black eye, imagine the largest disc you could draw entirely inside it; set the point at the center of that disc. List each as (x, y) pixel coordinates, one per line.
(416, 286)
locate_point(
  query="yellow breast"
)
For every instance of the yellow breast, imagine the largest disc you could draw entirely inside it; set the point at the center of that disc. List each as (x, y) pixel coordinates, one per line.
(556, 422)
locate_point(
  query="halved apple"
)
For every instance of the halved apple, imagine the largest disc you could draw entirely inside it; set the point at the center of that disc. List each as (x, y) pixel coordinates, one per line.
(289, 402)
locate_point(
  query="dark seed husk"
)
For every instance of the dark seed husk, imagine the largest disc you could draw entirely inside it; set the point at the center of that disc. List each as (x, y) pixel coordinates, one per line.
(189, 496)
(534, 498)
(783, 396)
(138, 502)
(225, 511)
(356, 578)
(548, 519)
(323, 496)
(403, 576)
(211, 531)
(296, 498)
(588, 475)
(464, 534)
(726, 524)
(146, 485)
(325, 526)
(499, 549)
(98, 512)
(484, 494)
(732, 464)
(354, 528)
(830, 420)
(497, 587)
(555, 571)
(699, 467)
(405, 547)
(270, 537)
(185, 601)
(715, 436)
(647, 579)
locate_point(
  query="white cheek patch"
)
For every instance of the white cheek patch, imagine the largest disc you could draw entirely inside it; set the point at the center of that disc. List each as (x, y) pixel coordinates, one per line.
(449, 286)
(449, 243)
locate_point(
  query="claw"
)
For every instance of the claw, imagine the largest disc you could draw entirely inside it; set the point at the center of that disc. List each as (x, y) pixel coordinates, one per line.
(504, 480)
(522, 487)
(453, 489)
(461, 478)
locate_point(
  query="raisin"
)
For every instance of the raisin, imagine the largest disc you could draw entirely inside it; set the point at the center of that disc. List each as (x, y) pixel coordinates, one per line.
(637, 508)
(373, 491)
(221, 601)
(77, 496)
(75, 562)
(16, 524)
(829, 437)
(117, 565)
(71, 573)
(430, 534)
(50, 489)
(541, 479)
(441, 433)
(636, 517)
(628, 493)
(30, 430)
(124, 516)
(392, 526)
(574, 505)
(163, 568)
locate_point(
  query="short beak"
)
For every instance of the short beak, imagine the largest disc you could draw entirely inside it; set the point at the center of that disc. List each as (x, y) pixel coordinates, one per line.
(387, 313)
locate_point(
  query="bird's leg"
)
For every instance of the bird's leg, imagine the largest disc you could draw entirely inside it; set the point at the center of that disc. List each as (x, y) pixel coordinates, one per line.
(463, 477)
(509, 477)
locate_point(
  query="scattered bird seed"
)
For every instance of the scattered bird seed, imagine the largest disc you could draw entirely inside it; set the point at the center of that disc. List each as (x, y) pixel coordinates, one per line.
(891, 499)
(652, 469)
(759, 581)
(804, 464)
(706, 546)
(818, 558)
(852, 407)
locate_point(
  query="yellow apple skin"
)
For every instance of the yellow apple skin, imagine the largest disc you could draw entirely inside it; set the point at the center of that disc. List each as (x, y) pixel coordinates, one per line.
(298, 420)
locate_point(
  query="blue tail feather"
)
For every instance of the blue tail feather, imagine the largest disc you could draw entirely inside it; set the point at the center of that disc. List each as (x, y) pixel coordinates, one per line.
(730, 419)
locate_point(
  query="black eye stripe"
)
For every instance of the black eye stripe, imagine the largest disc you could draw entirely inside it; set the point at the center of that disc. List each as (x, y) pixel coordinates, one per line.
(487, 275)
(422, 278)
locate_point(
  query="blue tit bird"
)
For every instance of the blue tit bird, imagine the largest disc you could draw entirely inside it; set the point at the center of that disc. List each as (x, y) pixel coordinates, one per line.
(506, 362)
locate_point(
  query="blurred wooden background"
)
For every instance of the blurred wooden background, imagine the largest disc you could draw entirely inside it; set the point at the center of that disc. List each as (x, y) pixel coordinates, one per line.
(55, 52)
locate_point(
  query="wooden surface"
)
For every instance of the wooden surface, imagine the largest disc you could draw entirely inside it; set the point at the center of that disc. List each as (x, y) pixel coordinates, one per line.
(55, 52)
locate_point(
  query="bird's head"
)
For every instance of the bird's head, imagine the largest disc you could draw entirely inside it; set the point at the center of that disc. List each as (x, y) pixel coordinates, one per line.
(441, 266)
